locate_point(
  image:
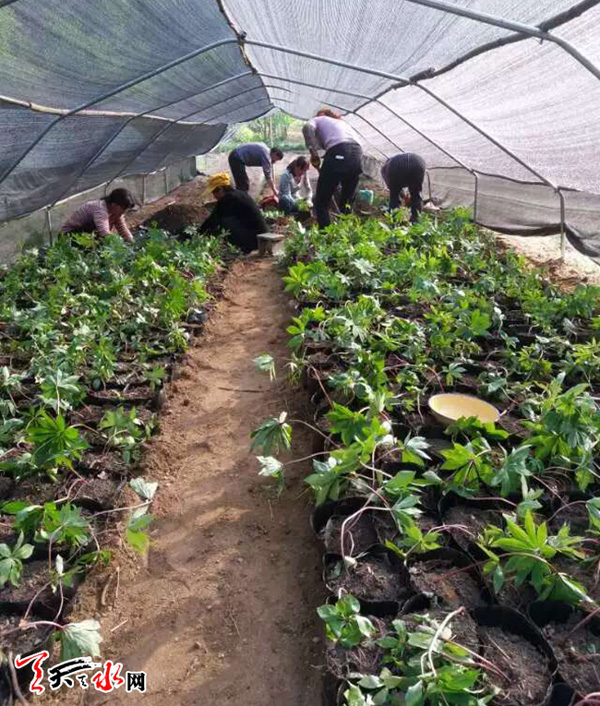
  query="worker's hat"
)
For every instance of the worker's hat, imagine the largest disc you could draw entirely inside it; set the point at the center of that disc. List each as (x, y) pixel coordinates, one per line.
(216, 181)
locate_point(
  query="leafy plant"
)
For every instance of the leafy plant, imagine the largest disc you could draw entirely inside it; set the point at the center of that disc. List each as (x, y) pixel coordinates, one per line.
(11, 561)
(344, 624)
(272, 468)
(125, 431)
(274, 434)
(56, 443)
(139, 519)
(527, 555)
(426, 666)
(79, 640)
(266, 364)
(60, 391)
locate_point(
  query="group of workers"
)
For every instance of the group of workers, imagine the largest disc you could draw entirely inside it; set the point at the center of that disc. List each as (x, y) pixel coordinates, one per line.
(238, 214)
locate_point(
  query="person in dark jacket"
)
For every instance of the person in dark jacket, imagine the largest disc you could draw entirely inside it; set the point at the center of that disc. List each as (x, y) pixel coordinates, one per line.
(254, 154)
(405, 171)
(235, 212)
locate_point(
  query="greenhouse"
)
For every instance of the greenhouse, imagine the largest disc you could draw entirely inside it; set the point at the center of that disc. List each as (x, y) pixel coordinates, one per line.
(359, 467)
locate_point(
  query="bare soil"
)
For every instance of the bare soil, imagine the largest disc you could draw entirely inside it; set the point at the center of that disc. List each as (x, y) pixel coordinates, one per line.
(188, 194)
(224, 609)
(359, 535)
(372, 579)
(578, 653)
(453, 587)
(178, 216)
(526, 671)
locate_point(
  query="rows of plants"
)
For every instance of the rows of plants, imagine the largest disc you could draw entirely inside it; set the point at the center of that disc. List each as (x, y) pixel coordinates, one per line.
(90, 331)
(462, 561)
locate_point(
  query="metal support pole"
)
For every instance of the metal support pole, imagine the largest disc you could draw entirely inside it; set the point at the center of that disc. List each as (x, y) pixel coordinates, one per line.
(563, 227)
(475, 196)
(518, 27)
(333, 62)
(143, 189)
(166, 177)
(110, 94)
(429, 186)
(49, 225)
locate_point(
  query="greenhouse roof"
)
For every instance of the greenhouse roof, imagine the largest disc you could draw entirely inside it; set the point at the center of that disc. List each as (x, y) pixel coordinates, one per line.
(94, 91)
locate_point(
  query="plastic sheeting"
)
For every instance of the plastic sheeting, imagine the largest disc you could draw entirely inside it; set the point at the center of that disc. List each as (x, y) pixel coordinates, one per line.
(95, 92)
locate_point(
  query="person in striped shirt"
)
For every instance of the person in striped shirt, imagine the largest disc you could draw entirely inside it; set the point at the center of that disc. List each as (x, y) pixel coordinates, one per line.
(405, 171)
(102, 216)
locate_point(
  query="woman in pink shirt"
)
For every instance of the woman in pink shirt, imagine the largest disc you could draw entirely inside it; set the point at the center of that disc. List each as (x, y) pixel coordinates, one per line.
(102, 216)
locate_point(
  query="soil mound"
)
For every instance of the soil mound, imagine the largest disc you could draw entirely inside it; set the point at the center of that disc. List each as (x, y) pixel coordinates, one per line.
(176, 217)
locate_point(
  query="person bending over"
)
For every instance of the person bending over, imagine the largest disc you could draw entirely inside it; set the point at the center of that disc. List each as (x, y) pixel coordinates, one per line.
(253, 154)
(102, 216)
(294, 184)
(235, 212)
(405, 171)
(342, 163)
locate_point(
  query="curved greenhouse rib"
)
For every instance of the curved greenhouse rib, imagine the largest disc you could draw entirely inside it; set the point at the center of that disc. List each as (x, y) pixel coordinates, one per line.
(551, 23)
(367, 100)
(203, 122)
(120, 129)
(374, 127)
(518, 27)
(404, 81)
(113, 92)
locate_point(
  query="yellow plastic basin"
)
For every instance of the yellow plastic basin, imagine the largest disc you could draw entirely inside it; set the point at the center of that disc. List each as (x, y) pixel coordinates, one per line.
(449, 407)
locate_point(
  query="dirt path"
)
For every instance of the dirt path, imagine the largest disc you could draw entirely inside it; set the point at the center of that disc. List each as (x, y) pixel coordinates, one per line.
(224, 610)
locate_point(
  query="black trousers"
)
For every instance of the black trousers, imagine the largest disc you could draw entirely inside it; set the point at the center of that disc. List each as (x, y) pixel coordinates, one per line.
(342, 165)
(408, 176)
(240, 176)
(240, 234)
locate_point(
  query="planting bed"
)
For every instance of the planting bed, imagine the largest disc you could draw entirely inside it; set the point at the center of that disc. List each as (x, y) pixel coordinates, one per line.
(483, 521)
(90, 333)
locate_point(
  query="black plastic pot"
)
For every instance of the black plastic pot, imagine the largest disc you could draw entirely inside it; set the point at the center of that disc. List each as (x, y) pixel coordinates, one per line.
(24, 646)
(559, 512)
(461, 564)
(322, 513)
(359, 533)
(514, 622)
(546, 613)
(461, 539)
(382, 605)
(97, 494)
(46, 604)
(562, 695)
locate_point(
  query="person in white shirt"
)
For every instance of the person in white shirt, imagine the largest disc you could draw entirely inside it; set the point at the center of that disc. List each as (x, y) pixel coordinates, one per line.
(294, 184)
(342, 163)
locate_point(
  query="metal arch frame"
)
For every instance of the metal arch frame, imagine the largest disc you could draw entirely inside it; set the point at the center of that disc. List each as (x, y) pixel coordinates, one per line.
(113, 92)
(377, 100)
(518, 27)
(162, 131)
(114, 136)
(401, 81)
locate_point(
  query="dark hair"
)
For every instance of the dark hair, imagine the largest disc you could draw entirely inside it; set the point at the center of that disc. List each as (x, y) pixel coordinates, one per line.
(122, 198)
(300, 162)
(329, 113)
(276, 152)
